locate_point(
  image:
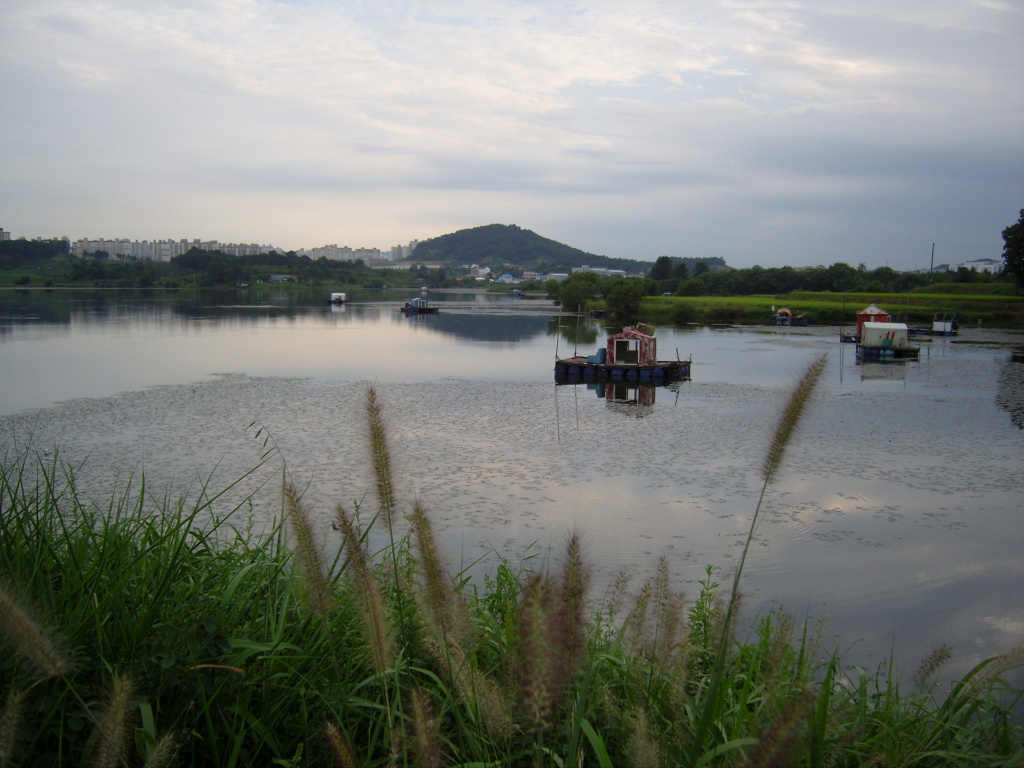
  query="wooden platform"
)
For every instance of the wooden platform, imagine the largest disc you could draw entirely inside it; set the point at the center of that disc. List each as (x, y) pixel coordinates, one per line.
(580, 369)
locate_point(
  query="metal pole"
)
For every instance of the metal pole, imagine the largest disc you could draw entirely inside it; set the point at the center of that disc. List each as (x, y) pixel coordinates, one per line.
(932, 267)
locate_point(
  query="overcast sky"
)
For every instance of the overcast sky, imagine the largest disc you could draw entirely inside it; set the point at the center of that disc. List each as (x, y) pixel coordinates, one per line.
(766, 132)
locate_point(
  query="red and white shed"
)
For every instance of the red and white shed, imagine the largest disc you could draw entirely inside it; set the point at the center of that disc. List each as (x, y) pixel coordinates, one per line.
(871, 314)
(633, 347)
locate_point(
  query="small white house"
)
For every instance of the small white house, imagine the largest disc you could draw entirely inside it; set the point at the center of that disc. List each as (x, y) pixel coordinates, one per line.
(884, 335)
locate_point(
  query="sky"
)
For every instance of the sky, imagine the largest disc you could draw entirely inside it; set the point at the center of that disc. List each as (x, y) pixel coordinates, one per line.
(764, 132)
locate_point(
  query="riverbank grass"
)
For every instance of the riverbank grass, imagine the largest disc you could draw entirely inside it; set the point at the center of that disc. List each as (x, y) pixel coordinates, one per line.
(143, 632)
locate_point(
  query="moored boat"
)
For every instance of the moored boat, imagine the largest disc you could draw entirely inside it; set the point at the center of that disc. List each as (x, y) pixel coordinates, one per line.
(418, 306)
(336, 298)
(885, 341)
(785, 316)
(631, 355)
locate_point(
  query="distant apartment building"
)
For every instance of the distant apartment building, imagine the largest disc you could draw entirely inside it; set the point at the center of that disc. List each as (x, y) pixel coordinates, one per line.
(992, 266)
(4, 235)
(399, 252)
(332, 252)
(163, 250)
(600, 271)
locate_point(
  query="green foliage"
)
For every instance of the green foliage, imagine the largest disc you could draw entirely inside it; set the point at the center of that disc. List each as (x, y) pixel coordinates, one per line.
(662, 269)
(967, 289)
(1013, 249)
(576, 291)
(22, 252)
(623, 295)
(692, 287)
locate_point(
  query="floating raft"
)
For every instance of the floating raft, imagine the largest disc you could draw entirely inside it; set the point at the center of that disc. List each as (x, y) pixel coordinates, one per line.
(885, 341)
(579, 368)
(631, 355)
(418, 306)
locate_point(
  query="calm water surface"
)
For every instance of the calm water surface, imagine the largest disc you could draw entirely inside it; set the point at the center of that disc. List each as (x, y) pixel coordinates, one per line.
(897, 516)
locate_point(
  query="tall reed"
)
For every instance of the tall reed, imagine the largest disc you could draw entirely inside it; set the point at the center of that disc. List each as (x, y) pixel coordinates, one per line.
(789, 420)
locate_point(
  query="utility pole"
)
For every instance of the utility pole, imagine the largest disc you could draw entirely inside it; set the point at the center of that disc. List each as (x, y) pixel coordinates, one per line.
(932, 267)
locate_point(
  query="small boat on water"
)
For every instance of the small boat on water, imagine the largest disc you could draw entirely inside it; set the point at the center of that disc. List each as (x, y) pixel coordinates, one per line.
(885, 341)
(631, 355)
(418, 306)
(785, 316)
(336, 298)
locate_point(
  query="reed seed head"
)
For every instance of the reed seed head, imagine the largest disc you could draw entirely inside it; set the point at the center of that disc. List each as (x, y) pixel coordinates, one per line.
(443, 610)
(164, 752)
(376, 626)
(931, 665)
(9, 721)
(318, 590)
(28, 637)
(790, 417)
(380, 456)
(338, 746)
(427, 741)
(643, 747)
(575, 580)
(111, 750)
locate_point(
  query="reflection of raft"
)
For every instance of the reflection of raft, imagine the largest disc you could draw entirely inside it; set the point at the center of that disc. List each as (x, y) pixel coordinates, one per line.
(628, 356)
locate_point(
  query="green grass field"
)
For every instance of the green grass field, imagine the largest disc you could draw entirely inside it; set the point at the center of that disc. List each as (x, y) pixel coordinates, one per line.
(830, 309)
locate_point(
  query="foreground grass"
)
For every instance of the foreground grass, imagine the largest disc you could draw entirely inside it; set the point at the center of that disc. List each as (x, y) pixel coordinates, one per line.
(138, 635)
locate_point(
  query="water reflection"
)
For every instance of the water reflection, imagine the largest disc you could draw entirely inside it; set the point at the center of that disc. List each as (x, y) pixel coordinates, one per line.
(895, 517)
(890, 370)
(576, 330)
(55, 310)
(630, 399)
(1010, 392)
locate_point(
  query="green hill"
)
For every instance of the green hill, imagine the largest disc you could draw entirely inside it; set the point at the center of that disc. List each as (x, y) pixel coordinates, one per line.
(496, 244)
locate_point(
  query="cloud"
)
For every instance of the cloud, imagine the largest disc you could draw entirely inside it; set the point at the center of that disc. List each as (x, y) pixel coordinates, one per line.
(660, 121)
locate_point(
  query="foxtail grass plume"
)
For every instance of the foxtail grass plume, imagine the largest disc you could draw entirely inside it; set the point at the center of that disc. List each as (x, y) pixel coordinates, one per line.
(28, 637)
(318, 590)
(376, 627)
(443, 610)
(996, 667)
(643, 750)
(575, 580)
(790, 417)
(114, 725)
(931, 665)
(778, 744)
(380, 457)
(474, 688)
(427, 741)
(164, 753)
(668, 636)
(338, 747)
(9, 722)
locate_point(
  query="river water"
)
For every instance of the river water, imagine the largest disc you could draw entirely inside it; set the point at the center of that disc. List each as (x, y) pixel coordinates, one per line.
(896, 516)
